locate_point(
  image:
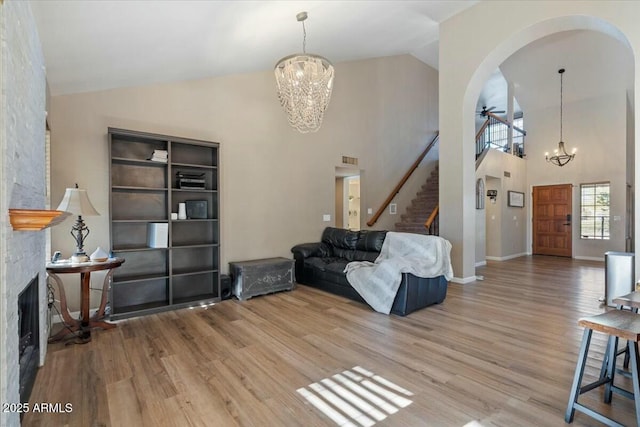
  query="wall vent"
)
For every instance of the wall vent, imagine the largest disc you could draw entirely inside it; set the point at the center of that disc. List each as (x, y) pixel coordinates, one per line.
(350, 160)
(507, 174)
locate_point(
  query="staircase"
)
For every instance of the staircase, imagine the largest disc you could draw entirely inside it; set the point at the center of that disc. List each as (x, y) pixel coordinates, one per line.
(421, 207)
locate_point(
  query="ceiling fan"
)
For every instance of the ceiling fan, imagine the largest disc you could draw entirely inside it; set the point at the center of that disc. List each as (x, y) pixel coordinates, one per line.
(486, 110)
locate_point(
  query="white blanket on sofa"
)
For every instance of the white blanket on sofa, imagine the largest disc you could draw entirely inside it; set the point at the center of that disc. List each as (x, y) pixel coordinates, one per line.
(378, 282)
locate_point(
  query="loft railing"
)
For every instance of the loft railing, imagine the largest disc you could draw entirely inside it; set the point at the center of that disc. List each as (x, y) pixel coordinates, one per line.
(494, 134)
(404, 179)
(432, 224)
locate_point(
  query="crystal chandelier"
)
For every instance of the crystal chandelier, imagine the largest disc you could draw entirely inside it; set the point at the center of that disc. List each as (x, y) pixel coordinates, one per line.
(560, 156)
(304, 83)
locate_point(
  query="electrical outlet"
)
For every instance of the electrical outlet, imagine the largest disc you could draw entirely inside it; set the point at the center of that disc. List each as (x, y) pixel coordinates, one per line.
(369, 211)
(326, 217)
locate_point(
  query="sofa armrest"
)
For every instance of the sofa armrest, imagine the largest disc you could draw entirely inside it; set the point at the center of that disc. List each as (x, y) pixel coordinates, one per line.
(306, 250)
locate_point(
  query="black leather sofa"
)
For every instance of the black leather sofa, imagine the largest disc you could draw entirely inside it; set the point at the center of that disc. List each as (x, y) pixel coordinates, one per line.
(321, 265)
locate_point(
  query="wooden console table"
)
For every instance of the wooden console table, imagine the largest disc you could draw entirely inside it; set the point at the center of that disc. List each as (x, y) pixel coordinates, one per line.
(261, 276)
(85, 323)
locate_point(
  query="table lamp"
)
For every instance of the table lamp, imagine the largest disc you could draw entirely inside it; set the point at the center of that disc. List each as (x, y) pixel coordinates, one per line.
(76, 201)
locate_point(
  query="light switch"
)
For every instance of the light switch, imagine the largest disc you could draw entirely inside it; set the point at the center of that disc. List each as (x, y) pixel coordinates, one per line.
(369, 211)
(393, 209)
(326, 217)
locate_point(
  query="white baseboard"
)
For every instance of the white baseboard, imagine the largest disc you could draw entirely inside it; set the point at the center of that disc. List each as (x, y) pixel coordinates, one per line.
(463, 280)
(481, 263)
(505, 258)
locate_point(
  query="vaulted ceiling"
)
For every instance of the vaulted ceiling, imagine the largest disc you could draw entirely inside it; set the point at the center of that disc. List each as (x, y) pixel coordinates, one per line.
(94, 45)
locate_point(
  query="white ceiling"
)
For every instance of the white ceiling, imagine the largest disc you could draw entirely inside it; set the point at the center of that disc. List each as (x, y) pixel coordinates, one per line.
(95, 45)
(595, 65)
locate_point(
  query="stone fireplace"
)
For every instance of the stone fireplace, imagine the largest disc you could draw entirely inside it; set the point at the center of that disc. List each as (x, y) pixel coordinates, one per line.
(22, 186)
(28, 338)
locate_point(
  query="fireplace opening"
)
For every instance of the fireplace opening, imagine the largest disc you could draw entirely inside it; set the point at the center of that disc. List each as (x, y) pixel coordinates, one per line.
(29, 344)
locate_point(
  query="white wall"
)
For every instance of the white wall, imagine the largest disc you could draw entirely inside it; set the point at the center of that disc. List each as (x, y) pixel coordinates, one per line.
(472, 44)
(22, 185)
(506, 227)
(276, 183)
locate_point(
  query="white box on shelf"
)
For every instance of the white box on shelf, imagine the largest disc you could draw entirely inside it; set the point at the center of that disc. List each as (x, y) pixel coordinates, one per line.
(158, 235)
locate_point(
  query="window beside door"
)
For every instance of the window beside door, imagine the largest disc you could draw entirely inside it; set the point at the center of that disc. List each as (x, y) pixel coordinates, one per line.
(595, 208)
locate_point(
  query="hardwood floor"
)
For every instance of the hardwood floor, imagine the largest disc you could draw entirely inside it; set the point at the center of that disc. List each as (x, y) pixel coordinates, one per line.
(498, 352)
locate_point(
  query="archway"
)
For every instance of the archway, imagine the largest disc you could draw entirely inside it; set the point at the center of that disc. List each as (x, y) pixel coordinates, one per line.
(461, 82)
(595, 123)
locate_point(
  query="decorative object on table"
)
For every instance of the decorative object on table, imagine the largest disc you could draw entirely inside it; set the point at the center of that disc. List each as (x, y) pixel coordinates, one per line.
(305, 83)
(99, 255)
(196, 209)
(55, 257)
(159, 156)
(182, 211)
(76, 201)
(190, 181)
(560, 156)
(158, 235)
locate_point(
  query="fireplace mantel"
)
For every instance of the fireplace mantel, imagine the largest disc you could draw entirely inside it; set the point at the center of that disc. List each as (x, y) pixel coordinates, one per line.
(35, 219)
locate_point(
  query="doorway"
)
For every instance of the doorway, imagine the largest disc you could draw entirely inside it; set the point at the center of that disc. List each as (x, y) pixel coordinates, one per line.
(552, 227)
(347, 212)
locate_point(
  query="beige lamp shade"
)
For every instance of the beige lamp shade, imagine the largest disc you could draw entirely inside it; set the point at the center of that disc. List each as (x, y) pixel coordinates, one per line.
(77, 202)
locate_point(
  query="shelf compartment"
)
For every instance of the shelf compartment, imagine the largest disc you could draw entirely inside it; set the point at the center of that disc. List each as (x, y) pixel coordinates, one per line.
(137, 296)
(178, 197)
(143, 263)
(194, 260)
(193, 233)
(194, 154)
(195, 287)
(127, 236)
(138, 175)
(131, 205)
(134, 147)
(210, 176)
(138, 278)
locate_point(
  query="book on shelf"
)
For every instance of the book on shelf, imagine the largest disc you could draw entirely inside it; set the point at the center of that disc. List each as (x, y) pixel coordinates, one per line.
(159, 156)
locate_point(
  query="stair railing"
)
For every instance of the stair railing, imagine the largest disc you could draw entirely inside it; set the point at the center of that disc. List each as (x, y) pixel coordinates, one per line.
(432, 224)
(403, 181)
(481, 143)
(484, 137)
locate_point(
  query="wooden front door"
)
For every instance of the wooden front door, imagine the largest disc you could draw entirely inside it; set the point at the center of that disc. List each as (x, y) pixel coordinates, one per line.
(552, 220)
